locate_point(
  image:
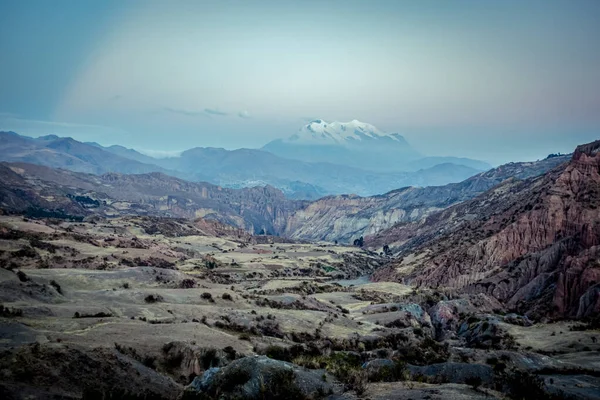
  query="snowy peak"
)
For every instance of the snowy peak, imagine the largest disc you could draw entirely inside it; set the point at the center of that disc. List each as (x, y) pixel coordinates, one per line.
(351, 144)
(340, 133)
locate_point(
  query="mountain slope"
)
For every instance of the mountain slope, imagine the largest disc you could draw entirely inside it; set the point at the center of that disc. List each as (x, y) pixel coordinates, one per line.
(125, 152)
(346, 218)
(532, 244)
(26, 186)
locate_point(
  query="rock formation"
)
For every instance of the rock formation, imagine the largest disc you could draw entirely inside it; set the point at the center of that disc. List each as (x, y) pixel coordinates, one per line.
(347, 217)
(531, 244)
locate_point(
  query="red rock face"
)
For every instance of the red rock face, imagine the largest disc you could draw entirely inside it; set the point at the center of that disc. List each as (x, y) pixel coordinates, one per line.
(533, 245)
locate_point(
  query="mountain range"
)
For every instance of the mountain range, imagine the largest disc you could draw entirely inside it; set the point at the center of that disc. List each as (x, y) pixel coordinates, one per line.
(250, 167)
(259, 209)
(357, 143)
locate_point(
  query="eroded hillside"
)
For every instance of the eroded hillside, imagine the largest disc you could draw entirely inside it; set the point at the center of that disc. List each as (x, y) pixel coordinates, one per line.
(346, 218)
(531, 244)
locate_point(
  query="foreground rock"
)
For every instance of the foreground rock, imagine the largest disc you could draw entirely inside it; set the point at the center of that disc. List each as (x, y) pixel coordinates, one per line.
(261, 377)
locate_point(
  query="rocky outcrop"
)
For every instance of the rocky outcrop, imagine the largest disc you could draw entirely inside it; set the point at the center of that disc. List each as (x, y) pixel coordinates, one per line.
(531, 244)
(259, 376)
(348, 217)
(446, 315)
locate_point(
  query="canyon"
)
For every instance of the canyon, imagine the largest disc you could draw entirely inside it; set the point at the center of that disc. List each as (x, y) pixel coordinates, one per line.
(487, 288)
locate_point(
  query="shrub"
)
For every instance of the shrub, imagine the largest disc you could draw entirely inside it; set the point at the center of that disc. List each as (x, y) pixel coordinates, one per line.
(187, 284)
(492, 361)
(26, 252)
(227, 296)
(357, 381)
(523, 386)
(397, 372)
(244, 336)
(153, 298)
(22, 276)
(10, 312)
(278, 353)
(56, 286)
(428, 351)
(97, 315)
(209, 358)
(474, 381)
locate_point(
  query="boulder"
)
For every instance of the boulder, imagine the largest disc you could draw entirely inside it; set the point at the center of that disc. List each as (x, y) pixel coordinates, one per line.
(484, 333)
(184, 361)
(446, 314)
(259, 377)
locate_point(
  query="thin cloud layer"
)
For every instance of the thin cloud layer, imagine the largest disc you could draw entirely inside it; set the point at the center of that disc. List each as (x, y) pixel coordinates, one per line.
(215, 112)
(181, 111)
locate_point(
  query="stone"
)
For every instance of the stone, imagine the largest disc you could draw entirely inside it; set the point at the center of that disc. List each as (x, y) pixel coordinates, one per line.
(254, 377)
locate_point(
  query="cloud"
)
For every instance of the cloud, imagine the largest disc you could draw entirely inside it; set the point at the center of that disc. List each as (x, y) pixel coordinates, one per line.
(181, 111)
(116, 97)
(207, 112)
(214, 112)
(244, 114)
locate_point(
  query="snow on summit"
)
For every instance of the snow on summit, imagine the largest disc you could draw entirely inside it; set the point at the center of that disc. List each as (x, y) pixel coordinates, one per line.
(323, 132)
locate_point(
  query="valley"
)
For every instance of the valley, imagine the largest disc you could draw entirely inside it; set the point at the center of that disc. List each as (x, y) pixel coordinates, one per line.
(173, 289)
(299, 200)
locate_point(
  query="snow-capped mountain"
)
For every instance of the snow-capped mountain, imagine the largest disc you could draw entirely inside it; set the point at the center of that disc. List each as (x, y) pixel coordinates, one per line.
(321, 132)
(351, 143)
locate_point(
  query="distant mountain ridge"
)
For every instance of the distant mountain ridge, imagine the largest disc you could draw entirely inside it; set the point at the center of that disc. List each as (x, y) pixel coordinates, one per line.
(68, 153)
(234, 169)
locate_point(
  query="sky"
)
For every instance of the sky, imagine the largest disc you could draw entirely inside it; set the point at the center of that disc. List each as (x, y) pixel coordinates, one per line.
(493, 80)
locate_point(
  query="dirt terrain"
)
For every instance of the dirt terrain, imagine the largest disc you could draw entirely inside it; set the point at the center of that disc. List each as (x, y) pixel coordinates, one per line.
(155, 303)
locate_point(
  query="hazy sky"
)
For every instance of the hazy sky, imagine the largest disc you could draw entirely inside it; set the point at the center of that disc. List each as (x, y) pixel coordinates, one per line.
(494, 80)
